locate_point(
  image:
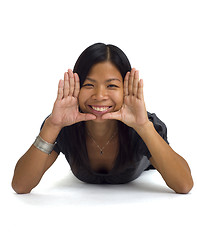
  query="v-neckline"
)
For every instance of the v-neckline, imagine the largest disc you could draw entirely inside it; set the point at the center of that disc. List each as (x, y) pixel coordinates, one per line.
(97, 173)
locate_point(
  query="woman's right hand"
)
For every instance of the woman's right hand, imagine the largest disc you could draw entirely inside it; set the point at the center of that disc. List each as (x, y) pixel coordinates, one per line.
(66, 109)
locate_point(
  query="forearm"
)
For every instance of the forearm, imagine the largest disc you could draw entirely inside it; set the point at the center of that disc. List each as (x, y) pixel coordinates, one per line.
(32, 165)
(173, 168)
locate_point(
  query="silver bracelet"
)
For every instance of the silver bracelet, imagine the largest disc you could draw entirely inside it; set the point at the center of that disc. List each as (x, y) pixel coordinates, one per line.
(43, 146)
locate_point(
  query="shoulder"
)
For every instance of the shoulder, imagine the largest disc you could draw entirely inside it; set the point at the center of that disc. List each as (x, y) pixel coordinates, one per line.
(159, 125)
(155, 119)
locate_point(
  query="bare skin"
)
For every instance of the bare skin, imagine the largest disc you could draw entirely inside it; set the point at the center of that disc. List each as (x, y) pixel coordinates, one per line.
(104, 99)
(33, 164)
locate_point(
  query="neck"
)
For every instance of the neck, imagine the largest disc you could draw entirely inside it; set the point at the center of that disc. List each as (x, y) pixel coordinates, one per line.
(102, 129)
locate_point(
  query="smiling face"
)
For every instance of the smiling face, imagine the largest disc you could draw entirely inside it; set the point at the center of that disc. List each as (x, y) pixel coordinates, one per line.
(102, 90)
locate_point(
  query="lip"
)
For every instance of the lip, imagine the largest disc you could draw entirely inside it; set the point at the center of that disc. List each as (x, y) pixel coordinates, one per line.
(98, 113)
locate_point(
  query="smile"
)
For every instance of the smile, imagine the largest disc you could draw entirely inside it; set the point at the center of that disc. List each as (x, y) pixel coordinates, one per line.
(100, 109)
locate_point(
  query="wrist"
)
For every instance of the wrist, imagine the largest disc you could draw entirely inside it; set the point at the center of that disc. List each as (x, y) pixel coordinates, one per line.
(49, 131)
(53, 126)
(145, 128)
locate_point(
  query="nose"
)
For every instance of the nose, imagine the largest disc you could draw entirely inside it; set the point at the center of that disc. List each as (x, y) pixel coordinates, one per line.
(100, 94)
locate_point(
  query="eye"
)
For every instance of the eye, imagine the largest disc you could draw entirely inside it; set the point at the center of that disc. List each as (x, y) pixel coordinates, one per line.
(112, 86)
(88, 85)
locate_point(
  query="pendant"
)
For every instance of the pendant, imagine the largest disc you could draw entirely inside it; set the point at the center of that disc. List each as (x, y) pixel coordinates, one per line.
(101, 152)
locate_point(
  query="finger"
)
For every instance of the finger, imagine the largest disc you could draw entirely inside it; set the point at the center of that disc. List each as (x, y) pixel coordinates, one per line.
(135, 83)
(66, 84)
(85, 117)
(71, 81)
(126, 80)
(77, 85)
(112, 115)
(60, 93)
(130, 85)
(140, 93)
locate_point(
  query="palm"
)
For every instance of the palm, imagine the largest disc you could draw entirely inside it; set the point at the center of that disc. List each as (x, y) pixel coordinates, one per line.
(133, 112)
(66, 111)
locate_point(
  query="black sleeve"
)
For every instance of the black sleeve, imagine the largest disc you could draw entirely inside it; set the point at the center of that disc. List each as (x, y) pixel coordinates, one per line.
(159, 126)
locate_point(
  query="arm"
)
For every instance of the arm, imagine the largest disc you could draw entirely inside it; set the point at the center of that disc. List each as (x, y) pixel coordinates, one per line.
(34, 163)
(173, 168)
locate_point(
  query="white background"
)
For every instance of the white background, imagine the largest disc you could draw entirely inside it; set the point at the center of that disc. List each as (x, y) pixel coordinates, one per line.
(39, 41)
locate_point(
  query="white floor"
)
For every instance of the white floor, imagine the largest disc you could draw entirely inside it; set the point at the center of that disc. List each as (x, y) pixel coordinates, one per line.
(62, 207)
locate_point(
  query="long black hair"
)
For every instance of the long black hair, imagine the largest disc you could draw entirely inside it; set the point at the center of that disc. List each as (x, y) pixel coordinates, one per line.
(100, 52)
(92, 55)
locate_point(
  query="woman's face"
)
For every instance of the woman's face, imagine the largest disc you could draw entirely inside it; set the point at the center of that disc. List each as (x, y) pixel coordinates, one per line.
(102, 90)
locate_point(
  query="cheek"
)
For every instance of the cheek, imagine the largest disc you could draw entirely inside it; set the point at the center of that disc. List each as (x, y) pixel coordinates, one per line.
(119, 99)
(81, 98)
(120, 103)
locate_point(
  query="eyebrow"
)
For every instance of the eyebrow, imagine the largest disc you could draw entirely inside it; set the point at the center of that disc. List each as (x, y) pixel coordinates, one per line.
(108, 80)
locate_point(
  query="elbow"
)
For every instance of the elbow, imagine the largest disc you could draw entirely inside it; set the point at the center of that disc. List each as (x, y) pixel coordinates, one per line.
(20, 189)
(185, 188)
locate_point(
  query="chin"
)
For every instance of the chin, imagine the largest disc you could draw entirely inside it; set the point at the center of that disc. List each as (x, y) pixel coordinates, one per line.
(100, 120)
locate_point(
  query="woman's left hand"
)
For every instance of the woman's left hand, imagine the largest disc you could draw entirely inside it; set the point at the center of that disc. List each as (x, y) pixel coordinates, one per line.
(133, 111)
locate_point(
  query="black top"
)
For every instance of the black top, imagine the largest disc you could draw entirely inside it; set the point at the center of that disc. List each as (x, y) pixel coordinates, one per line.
(140, 157)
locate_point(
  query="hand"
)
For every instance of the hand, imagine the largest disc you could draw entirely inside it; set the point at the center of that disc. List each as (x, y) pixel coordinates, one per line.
(133, 112)
(66, 110)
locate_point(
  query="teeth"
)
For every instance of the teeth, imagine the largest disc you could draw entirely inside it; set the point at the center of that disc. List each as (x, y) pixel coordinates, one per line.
(100, 109)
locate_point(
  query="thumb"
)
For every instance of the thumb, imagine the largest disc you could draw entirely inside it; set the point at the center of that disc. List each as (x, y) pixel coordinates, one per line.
(112, 115)
(86, 117)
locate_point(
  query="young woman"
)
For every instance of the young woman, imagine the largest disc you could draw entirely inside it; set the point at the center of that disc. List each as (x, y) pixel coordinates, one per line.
(100, 123)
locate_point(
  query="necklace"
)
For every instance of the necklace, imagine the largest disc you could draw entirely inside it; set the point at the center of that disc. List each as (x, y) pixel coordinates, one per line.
(101, 149)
